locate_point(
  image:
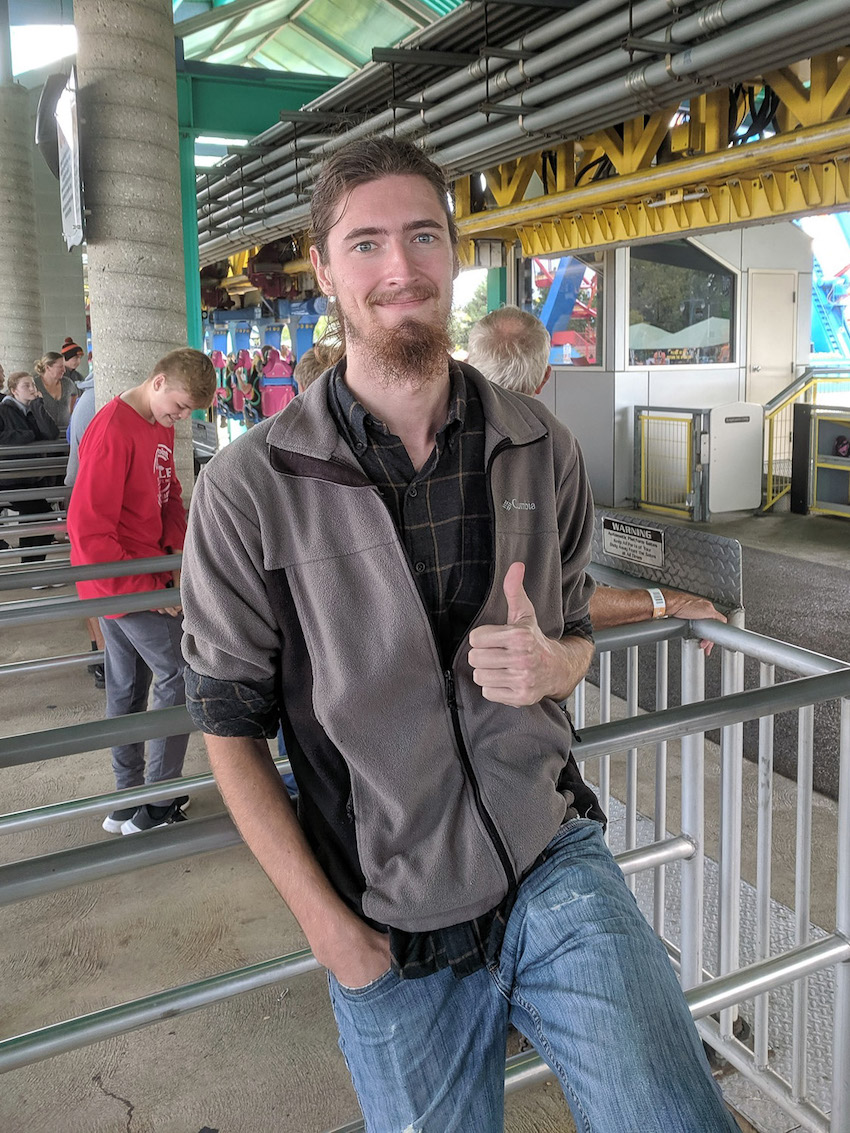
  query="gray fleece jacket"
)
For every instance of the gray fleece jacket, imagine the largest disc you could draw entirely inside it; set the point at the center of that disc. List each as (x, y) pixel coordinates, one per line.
(423, 801)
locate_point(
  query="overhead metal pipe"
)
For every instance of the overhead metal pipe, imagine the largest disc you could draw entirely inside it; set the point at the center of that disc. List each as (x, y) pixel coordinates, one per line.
(273, 184)
(737, 44)
(504, 77)
(30, 577)
(615, 59)
(627, 94)
(566, 24)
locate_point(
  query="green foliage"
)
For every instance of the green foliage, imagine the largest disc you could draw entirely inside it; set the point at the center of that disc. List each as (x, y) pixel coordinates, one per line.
(463, 319)
(669, 296)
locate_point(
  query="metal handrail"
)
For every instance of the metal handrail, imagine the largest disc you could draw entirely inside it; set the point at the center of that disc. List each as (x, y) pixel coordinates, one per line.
(709, 997)
(29, 517)
(829, 680)
(21, 1050)
(35, 611)
(58, 447)
(46, 664)
(121, 569)
(73, 739)
(32, 526)
(810, 379)
(10, 496)
(41, 816)
(43, 465)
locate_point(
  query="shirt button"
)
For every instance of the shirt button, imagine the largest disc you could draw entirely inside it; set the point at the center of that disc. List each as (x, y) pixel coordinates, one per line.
(420, 568)
(412, 492)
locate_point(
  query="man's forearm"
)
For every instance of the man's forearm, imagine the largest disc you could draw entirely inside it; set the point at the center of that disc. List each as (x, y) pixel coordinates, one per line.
(256, 798)
(577, 655)
(613, 606)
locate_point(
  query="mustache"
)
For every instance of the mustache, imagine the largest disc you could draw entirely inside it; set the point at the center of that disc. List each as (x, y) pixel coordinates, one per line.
(407, 295)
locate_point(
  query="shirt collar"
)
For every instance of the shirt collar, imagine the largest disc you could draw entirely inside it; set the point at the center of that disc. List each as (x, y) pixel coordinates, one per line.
(364, 428)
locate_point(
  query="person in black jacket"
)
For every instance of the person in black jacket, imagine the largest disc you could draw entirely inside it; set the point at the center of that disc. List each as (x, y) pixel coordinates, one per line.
(24, 420)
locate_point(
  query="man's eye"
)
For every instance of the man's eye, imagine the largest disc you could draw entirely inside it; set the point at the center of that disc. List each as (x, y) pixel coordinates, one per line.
(364, 246)
(425, 238)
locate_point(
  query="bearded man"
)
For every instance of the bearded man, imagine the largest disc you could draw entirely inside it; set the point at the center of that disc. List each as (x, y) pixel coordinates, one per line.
(415, 639)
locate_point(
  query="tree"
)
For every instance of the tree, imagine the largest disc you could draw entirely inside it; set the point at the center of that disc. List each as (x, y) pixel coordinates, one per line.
(462, 319)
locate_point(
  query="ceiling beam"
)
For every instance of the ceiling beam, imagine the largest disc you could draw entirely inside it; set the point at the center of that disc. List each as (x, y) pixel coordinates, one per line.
(417, 13)
(332, 46)
(223, 14)
(220, 38)
(274, 25)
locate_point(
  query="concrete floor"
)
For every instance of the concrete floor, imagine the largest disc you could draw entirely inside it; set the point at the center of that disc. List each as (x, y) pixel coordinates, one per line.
(265, 1062)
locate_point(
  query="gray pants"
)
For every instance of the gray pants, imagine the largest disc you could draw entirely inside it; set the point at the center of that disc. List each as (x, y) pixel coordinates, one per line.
(138, 647)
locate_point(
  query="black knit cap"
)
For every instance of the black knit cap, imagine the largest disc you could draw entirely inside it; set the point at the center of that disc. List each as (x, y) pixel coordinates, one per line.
(69, 349)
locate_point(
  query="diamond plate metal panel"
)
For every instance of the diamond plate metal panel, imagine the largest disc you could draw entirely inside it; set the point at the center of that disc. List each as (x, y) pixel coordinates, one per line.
(693, 560)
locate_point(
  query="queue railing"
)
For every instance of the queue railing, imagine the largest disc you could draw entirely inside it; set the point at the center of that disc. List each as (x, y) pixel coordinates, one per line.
(711, 892)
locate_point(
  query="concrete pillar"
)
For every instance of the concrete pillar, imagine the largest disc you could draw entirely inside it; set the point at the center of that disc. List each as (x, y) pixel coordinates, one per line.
(131, 172)
(20, 299)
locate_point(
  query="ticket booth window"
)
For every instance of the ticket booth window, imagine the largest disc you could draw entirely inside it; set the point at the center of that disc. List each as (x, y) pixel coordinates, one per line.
(681, 306)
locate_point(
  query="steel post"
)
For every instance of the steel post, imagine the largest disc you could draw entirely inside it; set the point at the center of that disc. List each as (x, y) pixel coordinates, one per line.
(632, 753)
(803, 893)
(693, 808)
(764, 856)
(840, 1117)
(604, 775)
(731, 816)
(659, 894)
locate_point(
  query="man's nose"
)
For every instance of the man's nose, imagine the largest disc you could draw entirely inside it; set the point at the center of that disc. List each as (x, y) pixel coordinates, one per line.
(401, 266)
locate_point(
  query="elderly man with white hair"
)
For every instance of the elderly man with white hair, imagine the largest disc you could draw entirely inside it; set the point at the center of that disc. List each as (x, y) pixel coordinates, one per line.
(511, 348)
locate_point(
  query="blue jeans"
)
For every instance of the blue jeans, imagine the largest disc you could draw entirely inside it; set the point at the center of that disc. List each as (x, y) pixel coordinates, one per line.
(137, 649)
(288, 777)
(581, 975)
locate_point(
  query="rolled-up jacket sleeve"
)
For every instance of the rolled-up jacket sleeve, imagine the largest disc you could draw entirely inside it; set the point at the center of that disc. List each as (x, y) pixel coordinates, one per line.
(231, 640)
(575, 521)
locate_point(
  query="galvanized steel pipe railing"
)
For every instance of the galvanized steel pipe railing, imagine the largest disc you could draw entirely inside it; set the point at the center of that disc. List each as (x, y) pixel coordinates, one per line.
(121, 569)
(829, 679)
(167, 845)
(41, 610)
(689, 719)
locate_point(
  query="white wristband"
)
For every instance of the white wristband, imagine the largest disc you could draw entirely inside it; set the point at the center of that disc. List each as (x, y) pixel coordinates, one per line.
(659, 605)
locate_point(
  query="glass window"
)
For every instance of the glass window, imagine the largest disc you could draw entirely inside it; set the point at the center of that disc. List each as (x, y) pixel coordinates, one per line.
(565, 292)
(681, 306)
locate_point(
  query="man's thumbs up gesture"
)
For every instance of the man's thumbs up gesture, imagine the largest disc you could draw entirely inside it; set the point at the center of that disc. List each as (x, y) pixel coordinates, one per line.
(516, 663)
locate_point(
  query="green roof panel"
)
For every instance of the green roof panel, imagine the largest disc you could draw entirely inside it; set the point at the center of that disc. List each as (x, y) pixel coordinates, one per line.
(323, 37)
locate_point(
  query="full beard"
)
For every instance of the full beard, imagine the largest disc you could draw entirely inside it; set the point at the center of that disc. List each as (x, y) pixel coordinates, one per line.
(412, 353)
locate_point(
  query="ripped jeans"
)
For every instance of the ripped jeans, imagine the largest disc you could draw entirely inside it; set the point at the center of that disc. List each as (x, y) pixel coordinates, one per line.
(581, 975)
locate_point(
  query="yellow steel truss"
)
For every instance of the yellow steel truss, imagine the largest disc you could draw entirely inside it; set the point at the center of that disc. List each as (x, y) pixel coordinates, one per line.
(674, 171)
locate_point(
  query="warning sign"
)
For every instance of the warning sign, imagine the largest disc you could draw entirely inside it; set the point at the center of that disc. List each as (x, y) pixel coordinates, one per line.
(632, 542)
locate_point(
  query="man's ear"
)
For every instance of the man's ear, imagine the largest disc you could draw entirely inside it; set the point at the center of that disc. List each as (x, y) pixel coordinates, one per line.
(546, 377)
(158, 381)
(323, 275)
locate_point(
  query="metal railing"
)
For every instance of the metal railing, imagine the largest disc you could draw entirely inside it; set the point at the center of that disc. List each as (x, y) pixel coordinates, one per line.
(717, 976)
(668, 470)
(816, 386)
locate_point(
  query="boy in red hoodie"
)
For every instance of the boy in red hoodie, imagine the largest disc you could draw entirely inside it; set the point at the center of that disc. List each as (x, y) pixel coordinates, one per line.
(127, 504)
